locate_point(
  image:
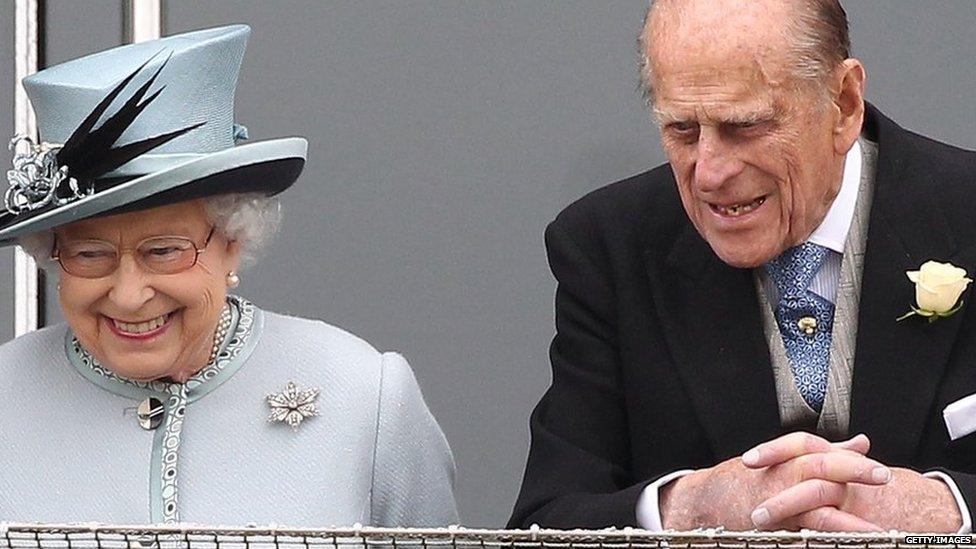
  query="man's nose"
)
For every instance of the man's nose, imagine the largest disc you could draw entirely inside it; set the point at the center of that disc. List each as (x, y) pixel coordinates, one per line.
(131, 288)
(716, 163)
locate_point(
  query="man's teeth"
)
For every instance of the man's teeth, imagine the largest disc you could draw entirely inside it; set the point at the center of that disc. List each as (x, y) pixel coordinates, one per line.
(740, 209)
(141, 327)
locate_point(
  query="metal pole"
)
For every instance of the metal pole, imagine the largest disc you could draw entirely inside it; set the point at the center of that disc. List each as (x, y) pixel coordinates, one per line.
(143, 20)
(25, 50)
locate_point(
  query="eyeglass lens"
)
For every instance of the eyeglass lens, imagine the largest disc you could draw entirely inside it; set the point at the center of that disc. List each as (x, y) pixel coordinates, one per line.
(95, 258)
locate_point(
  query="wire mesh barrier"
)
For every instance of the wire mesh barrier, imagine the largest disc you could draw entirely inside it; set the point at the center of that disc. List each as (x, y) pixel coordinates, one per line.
(99, 536)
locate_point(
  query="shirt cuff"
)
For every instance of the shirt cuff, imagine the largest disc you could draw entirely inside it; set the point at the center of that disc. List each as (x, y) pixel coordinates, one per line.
(967, 523)
(648, 511)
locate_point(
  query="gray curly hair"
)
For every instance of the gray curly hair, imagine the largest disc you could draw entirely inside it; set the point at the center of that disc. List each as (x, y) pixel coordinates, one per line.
(249, 218)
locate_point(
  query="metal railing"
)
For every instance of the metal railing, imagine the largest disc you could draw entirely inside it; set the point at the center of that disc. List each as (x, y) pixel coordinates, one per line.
(187, 536)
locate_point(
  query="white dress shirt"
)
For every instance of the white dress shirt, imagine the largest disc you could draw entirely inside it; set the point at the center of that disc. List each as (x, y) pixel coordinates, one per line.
(831, 234)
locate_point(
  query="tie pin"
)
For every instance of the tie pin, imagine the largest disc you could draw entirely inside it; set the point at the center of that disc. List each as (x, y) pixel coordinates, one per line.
(808, 324)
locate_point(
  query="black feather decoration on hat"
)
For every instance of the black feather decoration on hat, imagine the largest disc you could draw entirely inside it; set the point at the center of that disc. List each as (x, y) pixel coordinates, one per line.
(90, 154)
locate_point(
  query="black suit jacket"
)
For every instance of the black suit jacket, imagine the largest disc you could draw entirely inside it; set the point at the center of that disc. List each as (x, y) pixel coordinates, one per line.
(659, 362)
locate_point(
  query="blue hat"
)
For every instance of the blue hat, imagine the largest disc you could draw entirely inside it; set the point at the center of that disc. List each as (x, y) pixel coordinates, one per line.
(140, 126)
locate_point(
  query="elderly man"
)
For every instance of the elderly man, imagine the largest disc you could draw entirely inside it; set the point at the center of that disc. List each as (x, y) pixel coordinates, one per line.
(714, 313)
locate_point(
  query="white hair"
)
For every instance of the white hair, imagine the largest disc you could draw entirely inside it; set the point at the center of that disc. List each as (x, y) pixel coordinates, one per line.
(249, 218)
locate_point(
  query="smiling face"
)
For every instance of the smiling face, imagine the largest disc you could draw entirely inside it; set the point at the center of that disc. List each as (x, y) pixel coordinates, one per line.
(757, 154)
(140, 324)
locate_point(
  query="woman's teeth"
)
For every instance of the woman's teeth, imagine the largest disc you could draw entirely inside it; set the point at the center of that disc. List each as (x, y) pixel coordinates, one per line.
(141, 327)
(740, 209)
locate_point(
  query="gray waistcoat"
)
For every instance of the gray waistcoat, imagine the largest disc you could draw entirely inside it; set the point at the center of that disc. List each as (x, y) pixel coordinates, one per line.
(794, 412)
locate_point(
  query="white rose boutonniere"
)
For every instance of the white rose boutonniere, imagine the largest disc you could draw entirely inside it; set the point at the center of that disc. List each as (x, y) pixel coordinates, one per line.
(937, 289)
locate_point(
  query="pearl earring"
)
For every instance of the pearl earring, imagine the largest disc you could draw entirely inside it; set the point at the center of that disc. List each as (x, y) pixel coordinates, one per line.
(233, 280)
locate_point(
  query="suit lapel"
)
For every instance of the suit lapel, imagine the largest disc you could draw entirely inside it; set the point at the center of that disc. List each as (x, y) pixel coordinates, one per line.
(899, 365)
(710, 315)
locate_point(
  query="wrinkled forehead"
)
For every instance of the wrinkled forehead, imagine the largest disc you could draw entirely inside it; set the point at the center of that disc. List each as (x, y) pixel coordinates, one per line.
(706, 94)
(721, 69)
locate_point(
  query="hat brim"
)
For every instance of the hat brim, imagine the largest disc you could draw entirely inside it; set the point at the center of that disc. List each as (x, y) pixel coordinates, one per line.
(267, 167)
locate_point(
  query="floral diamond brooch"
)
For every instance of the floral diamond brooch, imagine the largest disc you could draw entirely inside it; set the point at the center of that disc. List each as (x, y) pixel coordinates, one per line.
(292, 406)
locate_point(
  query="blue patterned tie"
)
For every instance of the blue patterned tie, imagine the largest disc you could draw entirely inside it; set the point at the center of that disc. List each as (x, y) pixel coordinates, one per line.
(804, 318)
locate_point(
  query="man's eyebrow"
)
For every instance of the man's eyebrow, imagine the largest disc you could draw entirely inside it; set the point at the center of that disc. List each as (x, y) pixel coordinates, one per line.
(667, 117)
(750, 117)
(757, 116)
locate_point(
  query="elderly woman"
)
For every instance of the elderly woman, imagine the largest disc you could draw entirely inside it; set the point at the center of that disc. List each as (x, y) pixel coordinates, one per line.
(164, 398)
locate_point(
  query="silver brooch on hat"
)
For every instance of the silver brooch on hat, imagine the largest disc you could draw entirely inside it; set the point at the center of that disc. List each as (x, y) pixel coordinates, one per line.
(36, 177)
(293, 406)
(88, 154)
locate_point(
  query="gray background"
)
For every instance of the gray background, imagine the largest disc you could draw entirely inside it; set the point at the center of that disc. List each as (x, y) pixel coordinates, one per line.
(444, 136)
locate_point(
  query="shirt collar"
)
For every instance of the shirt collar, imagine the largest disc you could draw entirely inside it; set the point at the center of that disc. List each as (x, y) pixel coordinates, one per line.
(832, 232)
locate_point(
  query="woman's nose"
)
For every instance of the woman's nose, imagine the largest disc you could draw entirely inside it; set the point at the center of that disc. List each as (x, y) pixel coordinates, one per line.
(131, 288)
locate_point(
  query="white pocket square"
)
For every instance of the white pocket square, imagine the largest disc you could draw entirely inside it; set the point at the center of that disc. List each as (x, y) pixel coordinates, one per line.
(960, 417)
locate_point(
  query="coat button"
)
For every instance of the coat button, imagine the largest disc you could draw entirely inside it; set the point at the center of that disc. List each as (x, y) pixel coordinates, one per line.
(151, 412)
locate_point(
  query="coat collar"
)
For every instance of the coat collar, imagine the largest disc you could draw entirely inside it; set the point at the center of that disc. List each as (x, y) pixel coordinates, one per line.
(710, 315)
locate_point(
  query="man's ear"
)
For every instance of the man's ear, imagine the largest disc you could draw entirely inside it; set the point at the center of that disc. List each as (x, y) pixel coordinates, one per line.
(847, 95)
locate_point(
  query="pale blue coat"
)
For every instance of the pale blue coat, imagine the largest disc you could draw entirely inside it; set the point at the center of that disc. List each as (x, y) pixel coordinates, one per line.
(71, 448)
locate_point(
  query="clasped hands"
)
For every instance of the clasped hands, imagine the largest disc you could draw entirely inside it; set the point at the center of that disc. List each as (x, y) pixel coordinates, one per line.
(800, 481)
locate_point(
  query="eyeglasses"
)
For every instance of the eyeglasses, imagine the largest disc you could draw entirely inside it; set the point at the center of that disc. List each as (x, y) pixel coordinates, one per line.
(159, 254)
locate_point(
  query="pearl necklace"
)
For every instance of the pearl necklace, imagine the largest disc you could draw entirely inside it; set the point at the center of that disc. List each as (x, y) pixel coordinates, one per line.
(221, 332)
